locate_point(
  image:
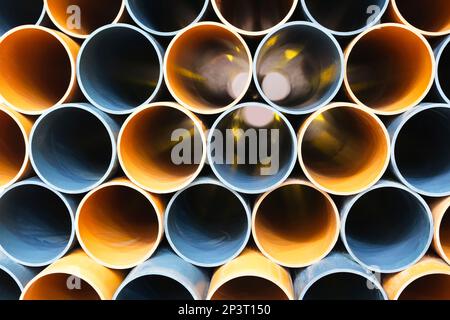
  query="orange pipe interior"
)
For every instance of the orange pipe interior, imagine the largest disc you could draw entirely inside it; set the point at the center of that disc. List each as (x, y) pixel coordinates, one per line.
(444, 233)
(428, 287)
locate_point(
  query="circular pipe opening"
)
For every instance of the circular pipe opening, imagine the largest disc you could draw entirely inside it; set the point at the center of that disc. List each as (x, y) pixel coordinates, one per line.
(9, 289)
(428, 287)
(20, 12)
(444, 234)
(442, 75)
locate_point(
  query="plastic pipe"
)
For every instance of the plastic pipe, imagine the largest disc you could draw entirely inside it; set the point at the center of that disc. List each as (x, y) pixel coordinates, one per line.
(343, 148)
(208, 68)
(20, 12)
(148, 142)
(36, 223)
(74, 277)
(345, 18)
(440, 209)
(119, 225)
(38, 69)
(386, 228)
(251, 276)
(120, 68)
(442, 79)
(73, 148)
(420, 154)
(207, 231)
(166, 18)
(254, 17)
(389, 68)
(296, 224)
(337, 277)
(236, 141)
(429, 279)
(14, 153)
(298, 68)
(165, 276)
(91, 15)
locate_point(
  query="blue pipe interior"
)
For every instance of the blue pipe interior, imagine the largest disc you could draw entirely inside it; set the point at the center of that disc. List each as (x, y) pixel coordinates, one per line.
(19, 12)
(9, 290)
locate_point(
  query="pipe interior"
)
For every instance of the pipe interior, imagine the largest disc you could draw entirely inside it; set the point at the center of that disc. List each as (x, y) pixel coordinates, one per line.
(35, 225)
(154, 287)
(343, 286)
(344, 149)
(443, 74)
(12, 148)
(429, 287)
(296, 224)
(93, 14)
(19, 12)
(254, 15)
(9, 290)
(208, 230)
(72, 148)
(146, 148)
(422, 151)
(118, 225)
(119, 69)
(36, 69)
(389, 68)
(444, 233)
(166, 16)
(388, 228)
(208, 67)
(299, 67)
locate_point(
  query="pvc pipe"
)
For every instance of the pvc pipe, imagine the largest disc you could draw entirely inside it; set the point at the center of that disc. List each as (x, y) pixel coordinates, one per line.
(150, 163)
(429, 279)
(442, 79)
(165, 276)
(166, 18)
(73, 147)
(431, 18)
(20, 12)
(345, 18)
(343, 148)
(298, 68)
(256, 17)
(251, 276)
(208, 68)
(236, 170)
(36, 223)
(120, 68)
(296, 224)
(389, 68)
(38, 69)
(420, 154)
(14, 153)
(337, 277)
(91, 14)
(440, 209)
(211, 231)
(74, 277)
(386, 228)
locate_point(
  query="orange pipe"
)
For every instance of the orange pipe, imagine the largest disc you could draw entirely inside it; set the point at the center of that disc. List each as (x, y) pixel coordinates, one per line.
(296, 224)
(429, 279)
(441, 239)
(389, 68)
(145, 147)
(343, 148)
(208, 67)
(119, 225)
(38, 69)
(74, 277)
(251, 276)
(92, 14)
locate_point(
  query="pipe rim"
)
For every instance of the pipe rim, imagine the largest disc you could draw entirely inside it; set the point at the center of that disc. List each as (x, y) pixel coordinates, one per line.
(338, 81)
(38, 21)
(73, 67)
(196, 109)
(417, 277)
(445, 45)
(353, 43)
(155, 46)
(437, 227)
(13, 277)
(111, 135)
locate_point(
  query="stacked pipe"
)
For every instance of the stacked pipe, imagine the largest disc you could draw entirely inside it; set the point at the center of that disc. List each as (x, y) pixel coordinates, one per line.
(224, 150)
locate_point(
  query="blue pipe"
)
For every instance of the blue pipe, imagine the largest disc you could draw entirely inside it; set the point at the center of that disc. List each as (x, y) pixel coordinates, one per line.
(442, 79)
(20, 12)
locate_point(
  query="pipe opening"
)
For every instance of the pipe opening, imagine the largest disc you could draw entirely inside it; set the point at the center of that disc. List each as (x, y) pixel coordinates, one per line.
(208, 231)
(119, 69)
(208, 68)
(19, 12)
(389, 69)
(422, 151)
(9, 290)
(296, 225)
(35, 224)
(299, 68)
(387, 228)
(344, 149)
(444, 233)
(443, 76)
(428, 287)
(37, 70)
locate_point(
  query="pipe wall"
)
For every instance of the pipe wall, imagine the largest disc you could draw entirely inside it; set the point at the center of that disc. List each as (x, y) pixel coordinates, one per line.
(20, 12)
(440, 209)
